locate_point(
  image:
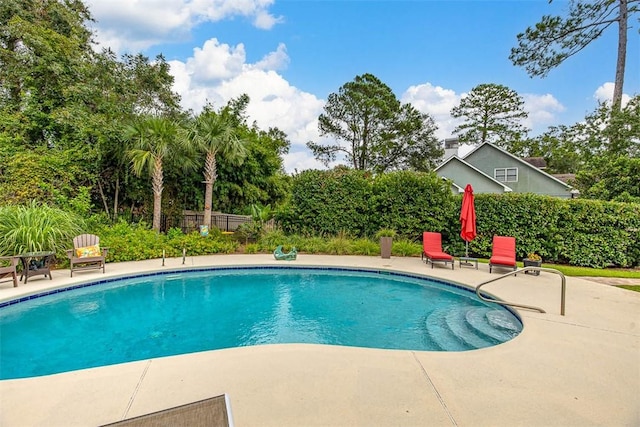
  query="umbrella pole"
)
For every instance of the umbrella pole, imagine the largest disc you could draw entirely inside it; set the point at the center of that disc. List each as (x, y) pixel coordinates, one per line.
(466, 252)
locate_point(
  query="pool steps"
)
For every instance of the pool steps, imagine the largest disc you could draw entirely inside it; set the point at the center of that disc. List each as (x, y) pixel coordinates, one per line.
(469, 328)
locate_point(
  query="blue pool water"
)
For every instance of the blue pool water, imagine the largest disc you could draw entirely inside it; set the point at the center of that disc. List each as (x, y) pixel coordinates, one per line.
(171, 313)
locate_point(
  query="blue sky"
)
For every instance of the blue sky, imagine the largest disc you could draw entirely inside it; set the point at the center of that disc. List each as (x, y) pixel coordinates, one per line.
(288, 56)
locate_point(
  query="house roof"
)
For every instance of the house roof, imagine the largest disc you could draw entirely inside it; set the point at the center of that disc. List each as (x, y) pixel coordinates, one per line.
(538, 162)
(453, 184)
(519, 160)
(475, 169)
(565, 177)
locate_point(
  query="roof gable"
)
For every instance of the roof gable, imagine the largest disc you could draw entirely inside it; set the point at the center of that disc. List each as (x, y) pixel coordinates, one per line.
(490, 146)
(457, 160)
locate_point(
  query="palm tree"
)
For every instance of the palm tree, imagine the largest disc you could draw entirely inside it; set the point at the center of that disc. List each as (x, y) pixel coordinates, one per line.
(153, 140)
(215, 133)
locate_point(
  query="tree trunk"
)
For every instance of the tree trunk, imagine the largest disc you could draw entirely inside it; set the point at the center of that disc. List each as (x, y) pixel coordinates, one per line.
(622, 55)
(157, 186)
(157, 210)
(209, 179)
(104, 199)
(115, 198)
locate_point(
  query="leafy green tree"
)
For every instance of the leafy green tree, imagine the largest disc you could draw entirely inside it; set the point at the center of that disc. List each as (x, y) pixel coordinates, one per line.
(261, 179)
(53, 177)
(611, 168)
(61, 101)
(611, 178)
(47, 120)
(41, 44)
(131, 87)
(554, 39)
(214, 133)
(155, 139)
(492, 113)
(414, 145)
(608, 132)
(602, 150)
(44, 57)
(557, 147)
(381, 134)
(621, 130)
(149, 85)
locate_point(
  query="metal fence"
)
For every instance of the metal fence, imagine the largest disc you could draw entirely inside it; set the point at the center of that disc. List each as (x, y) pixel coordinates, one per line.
(191, 221)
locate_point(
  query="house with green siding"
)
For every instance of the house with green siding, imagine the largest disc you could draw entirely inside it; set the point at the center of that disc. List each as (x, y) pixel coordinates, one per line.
(490, 169)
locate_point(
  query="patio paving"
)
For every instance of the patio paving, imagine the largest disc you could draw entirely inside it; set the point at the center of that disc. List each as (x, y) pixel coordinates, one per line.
(581, 369)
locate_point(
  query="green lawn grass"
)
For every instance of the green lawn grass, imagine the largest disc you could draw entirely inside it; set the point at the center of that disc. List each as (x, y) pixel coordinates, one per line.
(569, 270)
(573, 271)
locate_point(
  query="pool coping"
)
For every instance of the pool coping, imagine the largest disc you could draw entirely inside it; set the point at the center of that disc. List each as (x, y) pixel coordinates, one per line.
(578, 369)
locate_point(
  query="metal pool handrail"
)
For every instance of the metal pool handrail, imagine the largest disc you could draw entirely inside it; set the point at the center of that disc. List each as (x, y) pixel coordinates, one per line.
(522, 270)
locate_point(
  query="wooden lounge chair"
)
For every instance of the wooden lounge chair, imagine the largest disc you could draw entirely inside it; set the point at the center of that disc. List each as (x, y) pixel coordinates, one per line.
(503, 253)
(10, 271)
(215, 412)
(86, 253)
(432, 249)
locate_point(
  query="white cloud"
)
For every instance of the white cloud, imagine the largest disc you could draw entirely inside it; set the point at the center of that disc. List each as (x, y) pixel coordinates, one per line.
(131, 26)
(277, 60)
(215, 61)
(273, 101)
(438, 102)
(605, 94)
(543, 110)
(217, 72)
(265, 20)
(435, 101)
(300, 161)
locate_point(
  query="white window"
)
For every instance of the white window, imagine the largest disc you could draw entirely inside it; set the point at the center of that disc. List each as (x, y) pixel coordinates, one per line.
(506, 174)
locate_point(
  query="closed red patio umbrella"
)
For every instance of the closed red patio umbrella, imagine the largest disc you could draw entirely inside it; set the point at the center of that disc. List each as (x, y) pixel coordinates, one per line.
(468, 217)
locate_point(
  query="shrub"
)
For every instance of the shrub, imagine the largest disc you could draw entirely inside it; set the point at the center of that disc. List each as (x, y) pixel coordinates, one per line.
(312, 245)
(339, 245)
(37, 227)
(364, 247)
(252, 248)
(134, 242)
(404, 247)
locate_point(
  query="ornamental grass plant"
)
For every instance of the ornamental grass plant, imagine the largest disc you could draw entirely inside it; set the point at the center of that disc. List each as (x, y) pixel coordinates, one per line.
(37, 227)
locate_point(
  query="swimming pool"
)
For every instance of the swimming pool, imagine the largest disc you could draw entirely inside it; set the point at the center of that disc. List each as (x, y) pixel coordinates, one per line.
(168, 313)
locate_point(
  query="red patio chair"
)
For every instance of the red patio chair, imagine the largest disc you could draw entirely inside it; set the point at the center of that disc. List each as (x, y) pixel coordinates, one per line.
(432, 249)
(503, 253)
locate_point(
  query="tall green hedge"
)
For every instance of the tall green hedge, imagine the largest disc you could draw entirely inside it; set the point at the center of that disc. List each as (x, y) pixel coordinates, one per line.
(412, 202)
(328, 203)
(359, 204)
(589, 233)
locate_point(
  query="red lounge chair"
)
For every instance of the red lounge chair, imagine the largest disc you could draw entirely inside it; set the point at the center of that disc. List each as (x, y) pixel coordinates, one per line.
(432, 249)
(503, 253)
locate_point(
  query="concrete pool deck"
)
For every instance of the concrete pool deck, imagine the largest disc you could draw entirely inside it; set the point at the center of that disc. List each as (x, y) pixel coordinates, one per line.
(581, 369)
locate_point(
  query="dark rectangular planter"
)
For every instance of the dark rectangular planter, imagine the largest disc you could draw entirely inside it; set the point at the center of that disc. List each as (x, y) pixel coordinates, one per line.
(385, 246)
(531, 263)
